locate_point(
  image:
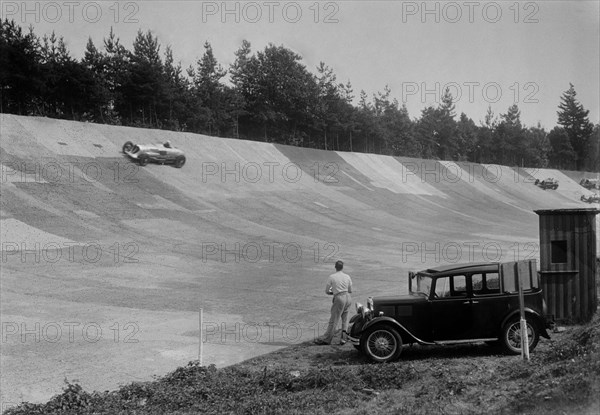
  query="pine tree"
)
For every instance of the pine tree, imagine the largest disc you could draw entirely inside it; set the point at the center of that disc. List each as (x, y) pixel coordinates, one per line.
(574, 119)
(117, 73)
(509, 137)
(326, 119)
(238, 72)
(348, 112)
(176, 93)
(210, 93)
(447, 128)
(238, 67)
(98, 106)
(21, 75)
(467, 138)
(144, 86)
(437, 131)
(562, 155)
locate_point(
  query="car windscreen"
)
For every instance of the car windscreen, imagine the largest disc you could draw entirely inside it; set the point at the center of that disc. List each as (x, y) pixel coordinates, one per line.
(423, 284)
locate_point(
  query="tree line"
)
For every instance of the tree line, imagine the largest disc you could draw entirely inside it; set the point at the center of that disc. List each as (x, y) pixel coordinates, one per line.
(270, 95)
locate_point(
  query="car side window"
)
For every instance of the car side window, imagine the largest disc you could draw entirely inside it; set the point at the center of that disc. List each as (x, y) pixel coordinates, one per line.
(477, 284)
(492, 282)
(459, 285)
(453, 286)
(442, 288)
(488, 283)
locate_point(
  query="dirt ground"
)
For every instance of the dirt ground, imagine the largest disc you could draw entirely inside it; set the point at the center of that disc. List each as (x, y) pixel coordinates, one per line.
(464, 378)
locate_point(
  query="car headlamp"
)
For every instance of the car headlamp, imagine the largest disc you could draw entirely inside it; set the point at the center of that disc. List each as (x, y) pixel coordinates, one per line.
(360, 309)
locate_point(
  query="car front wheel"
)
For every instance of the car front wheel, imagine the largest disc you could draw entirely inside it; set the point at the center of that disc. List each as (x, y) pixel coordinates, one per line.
(127, 146)
(382, 344)
(143, 160)
(511, 336)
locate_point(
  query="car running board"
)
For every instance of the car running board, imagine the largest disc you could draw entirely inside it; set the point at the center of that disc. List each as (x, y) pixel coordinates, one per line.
(447, 342)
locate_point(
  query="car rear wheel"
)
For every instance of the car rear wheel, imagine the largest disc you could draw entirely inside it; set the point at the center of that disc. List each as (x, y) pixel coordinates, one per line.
(382, 344)
(179, 162)
(511, 336)
(143, 160)
(127, 146)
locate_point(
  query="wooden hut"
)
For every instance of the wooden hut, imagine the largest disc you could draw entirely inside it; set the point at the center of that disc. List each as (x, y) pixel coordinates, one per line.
(568, 263)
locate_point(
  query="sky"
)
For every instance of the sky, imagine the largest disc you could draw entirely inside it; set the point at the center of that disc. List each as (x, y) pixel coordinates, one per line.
(488, 53)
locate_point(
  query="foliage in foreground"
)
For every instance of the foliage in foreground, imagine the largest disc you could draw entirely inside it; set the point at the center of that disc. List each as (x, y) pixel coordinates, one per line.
(563, 377)
(195, 389)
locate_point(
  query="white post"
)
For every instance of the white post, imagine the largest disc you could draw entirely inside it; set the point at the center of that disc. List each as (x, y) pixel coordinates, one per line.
(523, 322)
(200, 337)
(524, 340)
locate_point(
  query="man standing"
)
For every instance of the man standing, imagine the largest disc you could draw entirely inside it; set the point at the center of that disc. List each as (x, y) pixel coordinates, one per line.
(339, 285)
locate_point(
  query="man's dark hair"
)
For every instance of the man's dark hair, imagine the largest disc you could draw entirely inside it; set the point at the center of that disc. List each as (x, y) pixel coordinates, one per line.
(339, 265)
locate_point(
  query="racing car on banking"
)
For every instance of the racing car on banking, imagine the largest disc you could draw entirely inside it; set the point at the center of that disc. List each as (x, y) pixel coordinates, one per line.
(590, 184)
(549, 183)
(156, 153)
(593, 198)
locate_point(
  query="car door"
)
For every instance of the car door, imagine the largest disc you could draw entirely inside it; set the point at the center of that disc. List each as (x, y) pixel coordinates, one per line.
(487, 305)
(451, 311)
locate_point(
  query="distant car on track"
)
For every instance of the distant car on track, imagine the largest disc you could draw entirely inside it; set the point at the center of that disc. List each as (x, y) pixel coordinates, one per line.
(590, 184)
(591, 198)
(548, 183)
(462, 303)
(157, 153)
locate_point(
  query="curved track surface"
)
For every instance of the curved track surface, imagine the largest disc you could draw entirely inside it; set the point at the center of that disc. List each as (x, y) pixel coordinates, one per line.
(106, 265)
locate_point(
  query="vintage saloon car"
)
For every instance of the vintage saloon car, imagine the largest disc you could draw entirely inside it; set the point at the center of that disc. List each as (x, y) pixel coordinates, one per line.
(475, 302)
(157, 153)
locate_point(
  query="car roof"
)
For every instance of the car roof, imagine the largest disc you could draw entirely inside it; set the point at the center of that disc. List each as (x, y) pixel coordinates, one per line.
(469, 267)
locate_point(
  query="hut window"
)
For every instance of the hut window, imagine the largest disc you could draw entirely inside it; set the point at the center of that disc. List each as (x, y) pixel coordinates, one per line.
(559, 252)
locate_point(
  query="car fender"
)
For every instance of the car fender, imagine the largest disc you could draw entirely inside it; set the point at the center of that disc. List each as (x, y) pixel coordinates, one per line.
(537, 317)
(357, 321)
(354, 318)
(404, 332)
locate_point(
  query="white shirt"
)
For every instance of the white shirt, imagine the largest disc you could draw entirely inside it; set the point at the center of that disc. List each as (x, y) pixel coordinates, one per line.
(338, 283)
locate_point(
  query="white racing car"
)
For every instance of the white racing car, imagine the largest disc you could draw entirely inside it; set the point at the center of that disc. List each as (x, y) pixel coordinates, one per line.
(157, 153)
